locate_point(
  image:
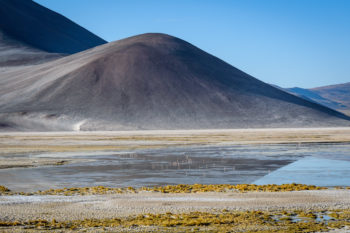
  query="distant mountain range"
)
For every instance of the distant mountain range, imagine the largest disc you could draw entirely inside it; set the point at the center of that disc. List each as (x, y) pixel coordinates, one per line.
(335, 96)
(55, 75)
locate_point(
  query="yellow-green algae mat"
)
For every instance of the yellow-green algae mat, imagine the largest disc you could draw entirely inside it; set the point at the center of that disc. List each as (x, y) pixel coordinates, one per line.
(180, 188)
(224, 221)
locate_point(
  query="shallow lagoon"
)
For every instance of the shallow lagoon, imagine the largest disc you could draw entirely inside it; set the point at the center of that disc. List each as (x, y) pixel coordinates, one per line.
(311, 170)
(318, 164)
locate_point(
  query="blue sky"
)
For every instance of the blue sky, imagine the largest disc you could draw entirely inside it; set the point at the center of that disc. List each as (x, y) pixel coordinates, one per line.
(303, 43)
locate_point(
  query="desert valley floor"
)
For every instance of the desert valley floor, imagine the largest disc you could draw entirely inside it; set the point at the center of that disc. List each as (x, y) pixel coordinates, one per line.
(135, 174)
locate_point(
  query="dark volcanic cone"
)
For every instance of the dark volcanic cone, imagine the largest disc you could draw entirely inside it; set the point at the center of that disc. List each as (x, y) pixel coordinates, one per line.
(31, 34)
(150, 81)
(41, 28)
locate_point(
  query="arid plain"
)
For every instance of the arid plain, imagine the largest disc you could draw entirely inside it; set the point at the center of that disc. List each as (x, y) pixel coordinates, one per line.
(127, 209)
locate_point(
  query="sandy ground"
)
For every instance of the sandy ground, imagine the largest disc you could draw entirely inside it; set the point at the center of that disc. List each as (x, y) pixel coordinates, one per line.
(27, 142)
(110, 206)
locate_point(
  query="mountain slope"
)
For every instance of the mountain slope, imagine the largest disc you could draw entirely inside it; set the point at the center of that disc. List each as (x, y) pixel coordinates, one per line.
(335, 96)
(16, 53)
(150, 81)
(339, 93)
(43, 29)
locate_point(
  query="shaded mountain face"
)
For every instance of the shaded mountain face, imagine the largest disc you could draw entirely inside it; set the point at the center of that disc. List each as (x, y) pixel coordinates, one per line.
(335, 96)
(150, 81)
(16, 53)
(40, 28)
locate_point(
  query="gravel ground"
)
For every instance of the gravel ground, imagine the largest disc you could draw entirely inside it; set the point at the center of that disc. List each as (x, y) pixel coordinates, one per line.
(112, 206)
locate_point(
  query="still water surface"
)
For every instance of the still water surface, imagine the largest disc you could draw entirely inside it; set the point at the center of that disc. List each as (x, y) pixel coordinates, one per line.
(319, 164)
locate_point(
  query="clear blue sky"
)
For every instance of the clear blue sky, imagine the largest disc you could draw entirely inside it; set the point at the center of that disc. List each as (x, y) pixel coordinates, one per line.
(303, 43)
